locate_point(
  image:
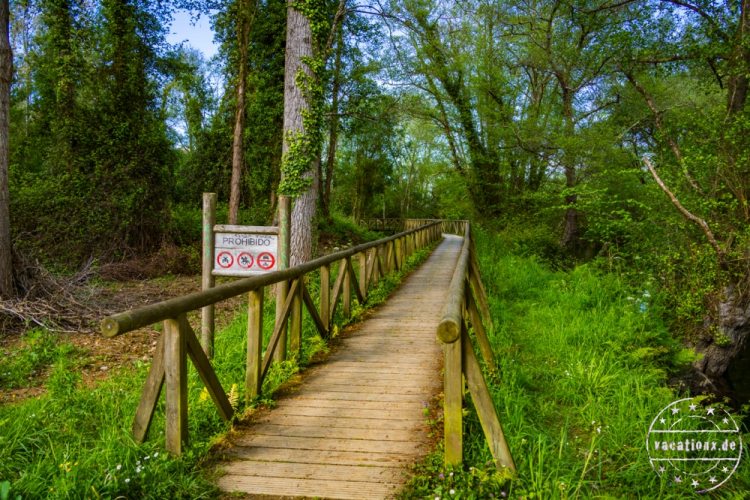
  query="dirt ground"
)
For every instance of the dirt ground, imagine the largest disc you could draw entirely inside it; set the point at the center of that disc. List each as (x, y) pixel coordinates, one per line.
(101, 355)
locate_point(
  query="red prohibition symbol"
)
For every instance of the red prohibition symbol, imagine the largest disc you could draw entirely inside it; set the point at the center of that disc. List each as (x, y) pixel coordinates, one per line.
(225, 259)
(266, 261)
(245, 260)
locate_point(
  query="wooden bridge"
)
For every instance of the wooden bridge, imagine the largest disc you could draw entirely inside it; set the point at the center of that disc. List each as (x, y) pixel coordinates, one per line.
(357, 421)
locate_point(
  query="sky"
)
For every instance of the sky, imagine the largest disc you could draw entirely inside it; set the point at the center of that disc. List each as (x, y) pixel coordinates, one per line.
(199, 36)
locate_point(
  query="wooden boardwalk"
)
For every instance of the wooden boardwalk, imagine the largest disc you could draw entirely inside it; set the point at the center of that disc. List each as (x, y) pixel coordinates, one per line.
(358, 420)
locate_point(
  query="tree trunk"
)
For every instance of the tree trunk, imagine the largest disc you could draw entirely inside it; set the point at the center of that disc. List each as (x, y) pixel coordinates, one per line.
(243, 31)
(333, 139)
(298, 46)
(571, 234)
(6, 72)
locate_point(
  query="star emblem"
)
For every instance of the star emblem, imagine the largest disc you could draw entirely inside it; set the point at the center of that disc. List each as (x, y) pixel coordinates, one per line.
(675, 410)
(661, 469)
(695, 483)
(710, 411)
(692, 407)
(713, 479)
(725, 469)
(662, 421)
(725, 421)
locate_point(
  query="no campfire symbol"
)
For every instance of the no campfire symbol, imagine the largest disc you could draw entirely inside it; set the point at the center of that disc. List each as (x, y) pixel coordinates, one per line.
(225, 260)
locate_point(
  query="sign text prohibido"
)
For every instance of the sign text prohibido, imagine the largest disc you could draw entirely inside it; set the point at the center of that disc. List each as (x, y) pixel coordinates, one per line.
(242, 251)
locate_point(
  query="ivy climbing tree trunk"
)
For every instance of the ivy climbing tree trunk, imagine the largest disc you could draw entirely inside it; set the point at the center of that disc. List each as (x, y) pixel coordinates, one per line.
(6, 72)
(243, 32)
(299, 45)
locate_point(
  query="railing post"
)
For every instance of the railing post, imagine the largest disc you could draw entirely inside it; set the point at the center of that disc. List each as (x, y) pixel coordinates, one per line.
(282, 288)
(363, 274)
(254, 343)
(207, 313)
(295, 325)
(453, 403)
(175, 368)
(347, 306)
(325, 295)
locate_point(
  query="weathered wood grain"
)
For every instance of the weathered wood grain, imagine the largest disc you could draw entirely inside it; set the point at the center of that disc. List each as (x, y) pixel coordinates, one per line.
(358, 420)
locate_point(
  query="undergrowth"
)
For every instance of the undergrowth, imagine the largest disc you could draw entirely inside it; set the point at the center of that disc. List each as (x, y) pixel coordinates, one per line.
(583, 364)
(75, 442)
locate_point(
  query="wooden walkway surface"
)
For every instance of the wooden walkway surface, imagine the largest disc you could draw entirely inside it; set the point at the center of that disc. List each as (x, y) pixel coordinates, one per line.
(358, 420)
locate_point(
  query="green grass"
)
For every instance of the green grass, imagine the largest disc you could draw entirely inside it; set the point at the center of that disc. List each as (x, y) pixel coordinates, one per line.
(74, 442)
(583, 370)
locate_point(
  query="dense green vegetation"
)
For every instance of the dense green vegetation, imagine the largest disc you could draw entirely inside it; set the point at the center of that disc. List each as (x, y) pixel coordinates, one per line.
(582, 372)
(75, 441)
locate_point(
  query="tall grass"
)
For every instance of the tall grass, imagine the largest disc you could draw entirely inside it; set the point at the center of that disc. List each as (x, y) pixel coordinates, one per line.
(75, 442)
(584, 363)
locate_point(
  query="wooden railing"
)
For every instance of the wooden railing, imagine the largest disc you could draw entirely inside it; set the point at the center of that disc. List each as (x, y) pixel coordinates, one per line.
(178, 341)
(460, 359)
(448, 226)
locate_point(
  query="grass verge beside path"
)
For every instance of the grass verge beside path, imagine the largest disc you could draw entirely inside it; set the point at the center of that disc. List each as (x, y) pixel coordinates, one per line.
(583, 370)
(75, 442)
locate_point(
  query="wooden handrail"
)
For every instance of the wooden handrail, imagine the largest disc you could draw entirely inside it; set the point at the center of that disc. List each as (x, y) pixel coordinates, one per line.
(178, 341)
(119, 324)
(449, 329)
(461, 361)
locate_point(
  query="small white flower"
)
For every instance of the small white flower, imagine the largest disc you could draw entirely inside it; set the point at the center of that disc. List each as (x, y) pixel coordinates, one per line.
(119, 467)
(631, 298)
(599, 430)
(437, 498)
(451, 474)
(138, 462)
(593, 422)
(127, 480)
(156, 454)
(137, 470)
(147, 457)
(452, 492)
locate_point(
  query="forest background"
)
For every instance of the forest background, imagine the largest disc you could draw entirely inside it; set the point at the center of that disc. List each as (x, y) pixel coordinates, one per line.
(606, 131)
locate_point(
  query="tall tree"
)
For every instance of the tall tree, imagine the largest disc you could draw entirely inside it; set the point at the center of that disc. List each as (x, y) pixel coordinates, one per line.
(245, 18)
(6, 73)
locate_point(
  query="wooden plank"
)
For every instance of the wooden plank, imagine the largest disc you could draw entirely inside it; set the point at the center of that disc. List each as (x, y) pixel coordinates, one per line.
(276, 335)
(295, 322)
(310, 488)
(371, 268)
(344, 423)
(357, 412)
(317, 320)
(479, 291)
(150, 395)
(453, 404)
(207, 374)
(318, 456)
(325, 296)
(365, 405)
(372, 396)
(354, 284)
(363, 275)
(254, 343)
(493, 431)
(316, 471)
(479, 332)
(318, 431)
(175, 374)
(347, 295)
(207, 265)
(337, 286)
(226, 228)
(407, 448)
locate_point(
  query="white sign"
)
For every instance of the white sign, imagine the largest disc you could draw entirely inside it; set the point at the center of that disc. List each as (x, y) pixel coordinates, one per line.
(244, 254)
